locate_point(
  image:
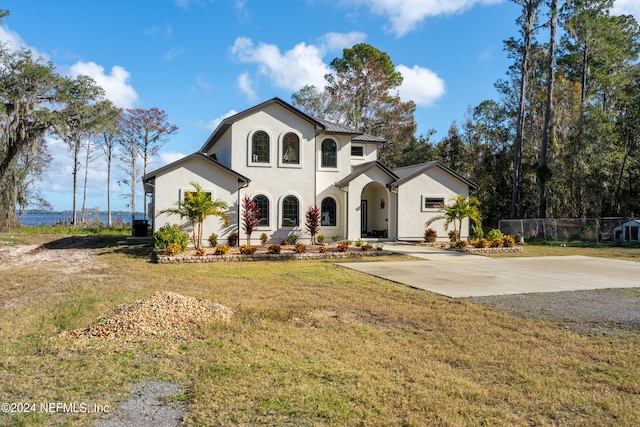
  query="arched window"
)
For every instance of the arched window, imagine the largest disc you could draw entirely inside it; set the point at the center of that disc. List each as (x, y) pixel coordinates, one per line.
(329, 154)
(328, 212)
(290, 211)
(260, 147)
(291, 148)
(262, 205)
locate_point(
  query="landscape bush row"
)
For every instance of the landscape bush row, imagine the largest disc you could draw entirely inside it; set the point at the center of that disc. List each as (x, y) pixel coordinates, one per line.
(172, 240)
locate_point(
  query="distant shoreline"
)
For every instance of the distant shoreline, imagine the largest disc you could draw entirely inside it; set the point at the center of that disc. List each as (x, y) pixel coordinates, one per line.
(37, 218)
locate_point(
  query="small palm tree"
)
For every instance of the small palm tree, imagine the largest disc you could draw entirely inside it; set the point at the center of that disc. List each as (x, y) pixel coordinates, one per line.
(196, 207)
(456, 212)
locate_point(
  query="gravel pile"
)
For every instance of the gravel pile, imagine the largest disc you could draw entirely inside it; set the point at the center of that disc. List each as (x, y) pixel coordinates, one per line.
(162, 315)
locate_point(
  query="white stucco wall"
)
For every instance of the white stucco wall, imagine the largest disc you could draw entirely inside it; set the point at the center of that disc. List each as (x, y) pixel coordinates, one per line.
(172, 183)
(411, 214)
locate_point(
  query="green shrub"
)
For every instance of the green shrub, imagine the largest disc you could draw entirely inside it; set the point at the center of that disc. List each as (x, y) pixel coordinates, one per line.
(495, 234)
(264, 238)
(430, 235)
(221, 250)
(320, 239)
(336, 237)
(169, 235)
(248, 249)
(274, 249)
(232, 239)
(300, 248)
(292, 239)
(359, 243)
(213, 240)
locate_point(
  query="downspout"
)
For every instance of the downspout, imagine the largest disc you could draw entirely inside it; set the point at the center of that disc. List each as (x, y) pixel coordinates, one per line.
(239, 208)
(394, 191)
(346, 227)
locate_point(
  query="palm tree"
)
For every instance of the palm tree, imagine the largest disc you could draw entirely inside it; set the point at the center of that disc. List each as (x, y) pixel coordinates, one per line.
(197, 206)
(456, 212)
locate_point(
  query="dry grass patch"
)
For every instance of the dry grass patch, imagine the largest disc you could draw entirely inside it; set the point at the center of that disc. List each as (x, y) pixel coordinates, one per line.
(310, 344)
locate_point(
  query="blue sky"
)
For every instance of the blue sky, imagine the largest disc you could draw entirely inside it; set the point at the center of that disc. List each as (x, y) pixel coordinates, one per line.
(201, 60)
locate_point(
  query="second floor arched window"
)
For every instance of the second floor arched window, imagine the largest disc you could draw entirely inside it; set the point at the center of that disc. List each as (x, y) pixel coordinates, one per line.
(329, 154)
(260, 147)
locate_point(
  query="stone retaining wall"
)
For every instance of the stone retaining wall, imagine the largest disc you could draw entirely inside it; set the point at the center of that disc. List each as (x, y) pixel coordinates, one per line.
(164, 259)
(512, 250)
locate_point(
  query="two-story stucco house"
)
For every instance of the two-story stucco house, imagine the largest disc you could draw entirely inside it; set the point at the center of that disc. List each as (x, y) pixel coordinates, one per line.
(288, 161)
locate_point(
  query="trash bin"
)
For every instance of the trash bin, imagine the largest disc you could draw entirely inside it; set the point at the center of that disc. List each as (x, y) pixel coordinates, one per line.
(140, 228)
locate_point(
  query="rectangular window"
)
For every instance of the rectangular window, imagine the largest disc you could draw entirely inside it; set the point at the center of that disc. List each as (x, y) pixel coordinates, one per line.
(357, 151)
(432, 202)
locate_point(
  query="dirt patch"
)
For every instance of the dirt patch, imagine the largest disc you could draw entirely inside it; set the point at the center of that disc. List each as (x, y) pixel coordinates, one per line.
(67, 254)
(166, 315)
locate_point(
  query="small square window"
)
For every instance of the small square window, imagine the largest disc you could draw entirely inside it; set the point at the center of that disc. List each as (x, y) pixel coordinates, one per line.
(432, 202)
(357, 151)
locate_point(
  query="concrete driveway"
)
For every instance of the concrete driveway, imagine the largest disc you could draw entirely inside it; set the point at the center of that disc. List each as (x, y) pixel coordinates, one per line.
(459, 275)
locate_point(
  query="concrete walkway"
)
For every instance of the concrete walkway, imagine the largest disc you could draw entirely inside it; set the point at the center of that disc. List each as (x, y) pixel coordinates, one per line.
(458, 275)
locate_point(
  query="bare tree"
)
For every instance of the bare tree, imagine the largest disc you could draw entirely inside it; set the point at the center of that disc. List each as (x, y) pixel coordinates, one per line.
(143, 133)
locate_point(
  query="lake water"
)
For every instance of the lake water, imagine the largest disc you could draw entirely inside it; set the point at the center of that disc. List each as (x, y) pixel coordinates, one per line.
(52, 218)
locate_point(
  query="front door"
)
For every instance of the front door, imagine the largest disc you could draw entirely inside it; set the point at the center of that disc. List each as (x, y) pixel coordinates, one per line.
(363, 217)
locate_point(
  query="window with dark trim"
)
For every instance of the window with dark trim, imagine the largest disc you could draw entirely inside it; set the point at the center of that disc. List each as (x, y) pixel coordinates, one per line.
(357, 151)
(328, 212)
(432, 202)
(291, 148)
(260, 147)
(290, 211)
(262, 205)
(329, 154)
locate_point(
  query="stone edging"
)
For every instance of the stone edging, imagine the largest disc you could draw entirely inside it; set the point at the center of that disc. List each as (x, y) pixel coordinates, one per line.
(511, 250)
(165, 259)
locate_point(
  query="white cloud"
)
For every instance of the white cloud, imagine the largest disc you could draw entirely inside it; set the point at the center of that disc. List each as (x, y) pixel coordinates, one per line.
(214, 123)
(405, 15)
(420, 85)
(116, 85)
(290, 70)
(246, 85)
(332, 42)
(627, 7)
(158, 30)
(15, 42)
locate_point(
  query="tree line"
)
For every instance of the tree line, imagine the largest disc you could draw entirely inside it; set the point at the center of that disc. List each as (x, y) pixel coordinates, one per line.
(37, 102)
(561, 139)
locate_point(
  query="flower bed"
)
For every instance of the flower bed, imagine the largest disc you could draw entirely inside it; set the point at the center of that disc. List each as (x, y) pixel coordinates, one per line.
(263, 253)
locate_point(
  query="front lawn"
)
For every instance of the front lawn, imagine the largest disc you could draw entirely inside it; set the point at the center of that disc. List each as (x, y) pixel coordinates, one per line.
(309, 343)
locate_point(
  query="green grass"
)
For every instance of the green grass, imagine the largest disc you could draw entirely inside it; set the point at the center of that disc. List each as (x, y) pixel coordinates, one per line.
(310, 343)
(624, 252)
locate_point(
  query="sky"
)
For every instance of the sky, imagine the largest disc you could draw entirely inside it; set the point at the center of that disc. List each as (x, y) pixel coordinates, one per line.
(203, 60)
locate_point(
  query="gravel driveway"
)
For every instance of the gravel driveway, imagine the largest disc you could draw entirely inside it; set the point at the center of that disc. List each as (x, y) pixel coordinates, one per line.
(605, 312)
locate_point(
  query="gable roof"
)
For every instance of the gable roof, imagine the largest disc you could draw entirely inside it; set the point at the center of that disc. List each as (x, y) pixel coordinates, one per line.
(322, 126)
(407, 173)
(214, 162)
(358, 170)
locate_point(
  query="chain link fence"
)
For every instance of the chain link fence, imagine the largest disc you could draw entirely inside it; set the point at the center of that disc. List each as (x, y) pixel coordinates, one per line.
(592, 230)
